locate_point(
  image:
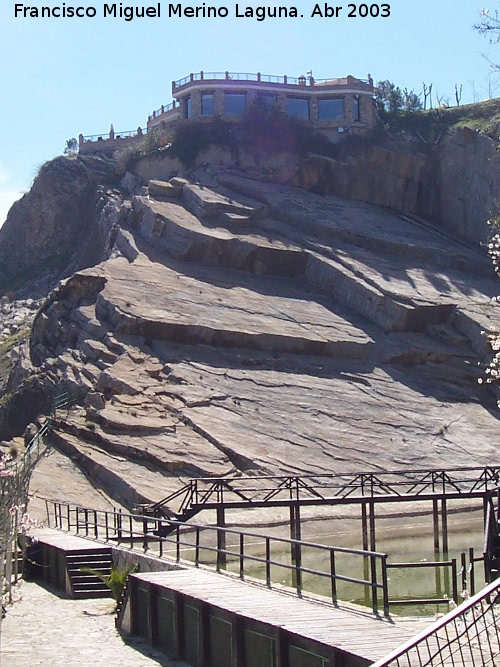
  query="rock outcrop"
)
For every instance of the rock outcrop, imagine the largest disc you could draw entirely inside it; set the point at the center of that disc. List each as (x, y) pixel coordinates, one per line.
(260, 329)
(61, 225)
(222, 325)
(453, 179)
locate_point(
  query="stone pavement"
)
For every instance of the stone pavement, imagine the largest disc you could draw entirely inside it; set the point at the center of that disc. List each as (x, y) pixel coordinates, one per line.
(45, 628)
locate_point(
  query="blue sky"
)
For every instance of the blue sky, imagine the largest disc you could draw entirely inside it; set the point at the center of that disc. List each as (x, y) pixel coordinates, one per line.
(60, 77)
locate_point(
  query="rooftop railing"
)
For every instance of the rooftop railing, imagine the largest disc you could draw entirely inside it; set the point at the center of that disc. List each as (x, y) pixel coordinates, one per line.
(264, 78)
(165, 108)
(104, 136)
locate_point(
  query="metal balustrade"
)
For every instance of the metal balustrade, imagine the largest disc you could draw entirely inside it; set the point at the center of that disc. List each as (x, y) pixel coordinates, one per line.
(468, 635)
(264, 78)
(104, 136)
(331, 488)
(209, 545)
(244, 553)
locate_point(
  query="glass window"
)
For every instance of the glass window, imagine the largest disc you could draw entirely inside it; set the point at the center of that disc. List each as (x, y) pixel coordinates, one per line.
(297, 107)
(332, 109)
(207, 104)
(267, 102)
(357, 110)
(235, 104)
(188, 111)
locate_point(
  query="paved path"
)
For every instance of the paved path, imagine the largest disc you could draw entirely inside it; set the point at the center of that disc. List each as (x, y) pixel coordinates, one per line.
(45, 628)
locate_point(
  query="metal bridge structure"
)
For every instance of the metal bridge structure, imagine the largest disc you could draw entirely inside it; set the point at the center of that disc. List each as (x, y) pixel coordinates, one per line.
(364, 489)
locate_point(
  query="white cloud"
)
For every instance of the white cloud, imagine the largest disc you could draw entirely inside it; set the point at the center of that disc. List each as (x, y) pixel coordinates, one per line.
(9, 193)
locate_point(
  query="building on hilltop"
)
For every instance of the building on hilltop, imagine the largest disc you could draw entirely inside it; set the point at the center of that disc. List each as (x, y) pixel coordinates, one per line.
(333, 106)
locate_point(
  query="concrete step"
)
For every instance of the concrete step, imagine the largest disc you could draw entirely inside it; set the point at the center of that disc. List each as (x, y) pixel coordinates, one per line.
(84, 595)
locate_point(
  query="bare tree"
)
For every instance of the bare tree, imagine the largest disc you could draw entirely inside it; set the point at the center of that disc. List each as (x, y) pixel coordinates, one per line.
(489, 25)
(458, 94)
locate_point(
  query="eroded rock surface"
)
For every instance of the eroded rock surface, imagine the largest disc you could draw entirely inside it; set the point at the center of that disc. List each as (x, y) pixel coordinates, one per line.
(259, 329)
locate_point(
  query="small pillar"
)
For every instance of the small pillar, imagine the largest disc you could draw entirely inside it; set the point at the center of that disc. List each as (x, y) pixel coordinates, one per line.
(111, 132)
(221, 539)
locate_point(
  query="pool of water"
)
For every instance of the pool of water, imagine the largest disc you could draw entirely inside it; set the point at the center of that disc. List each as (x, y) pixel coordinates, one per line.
(404, 537)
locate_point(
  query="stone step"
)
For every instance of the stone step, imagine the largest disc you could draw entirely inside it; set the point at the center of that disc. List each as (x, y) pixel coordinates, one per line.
(206, 202)
(115, 465)
(87, 594)
(223, 309)
(122, 480)
(390, 311)
(333, 220)
(182, 236)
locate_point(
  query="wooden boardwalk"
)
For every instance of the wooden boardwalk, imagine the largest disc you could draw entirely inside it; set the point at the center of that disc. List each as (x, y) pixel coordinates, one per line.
(65, 541)
(347, 627)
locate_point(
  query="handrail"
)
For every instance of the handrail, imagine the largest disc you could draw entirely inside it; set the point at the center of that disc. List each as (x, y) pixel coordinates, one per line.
(266, 78)
(453, 639)
(165, 108)
(104, 136)
(121, 528)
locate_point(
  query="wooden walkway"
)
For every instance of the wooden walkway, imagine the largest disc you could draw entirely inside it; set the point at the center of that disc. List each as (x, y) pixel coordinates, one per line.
(65, 541)
(347, 627)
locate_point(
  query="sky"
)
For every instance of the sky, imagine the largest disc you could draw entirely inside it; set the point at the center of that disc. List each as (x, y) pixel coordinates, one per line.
(60, 77)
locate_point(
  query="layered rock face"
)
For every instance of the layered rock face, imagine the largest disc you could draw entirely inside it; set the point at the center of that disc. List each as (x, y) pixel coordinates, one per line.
(451, 178)
(59, 226)
(252, 328)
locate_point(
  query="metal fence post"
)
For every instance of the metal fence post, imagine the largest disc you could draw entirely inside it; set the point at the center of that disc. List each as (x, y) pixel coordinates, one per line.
(373, 567)
(333, 576)
(242, 556)
(268, 562)
(197, 547)
(454, 577)
(385, 585)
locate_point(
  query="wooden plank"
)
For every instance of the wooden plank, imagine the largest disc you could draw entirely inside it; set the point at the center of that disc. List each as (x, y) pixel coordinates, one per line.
(348, 628)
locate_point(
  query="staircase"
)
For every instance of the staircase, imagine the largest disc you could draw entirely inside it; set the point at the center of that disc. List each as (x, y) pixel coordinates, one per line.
(86, 584)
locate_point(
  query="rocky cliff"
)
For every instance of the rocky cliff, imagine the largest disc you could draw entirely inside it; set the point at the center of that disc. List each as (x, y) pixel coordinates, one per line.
(59, 226)
(452, 179)
(217, 324)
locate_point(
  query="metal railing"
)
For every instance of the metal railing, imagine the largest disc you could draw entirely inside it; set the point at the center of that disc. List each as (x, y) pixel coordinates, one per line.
(165, 108)
(400, 484)
(468, 635)
(265, 78)
(209, 545)
(104, 136)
